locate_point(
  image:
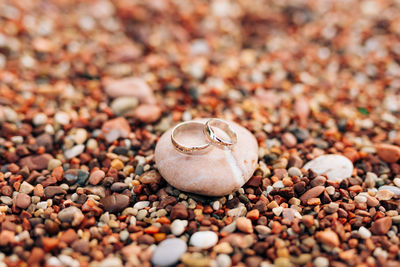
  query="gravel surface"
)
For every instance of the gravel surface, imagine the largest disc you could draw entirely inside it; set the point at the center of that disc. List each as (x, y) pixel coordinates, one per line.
(88, 87)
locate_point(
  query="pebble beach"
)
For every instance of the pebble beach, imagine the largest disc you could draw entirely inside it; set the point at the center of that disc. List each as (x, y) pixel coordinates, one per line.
(87, 88)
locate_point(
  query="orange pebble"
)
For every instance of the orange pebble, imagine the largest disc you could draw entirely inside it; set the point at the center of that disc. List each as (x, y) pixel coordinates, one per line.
(253, 214)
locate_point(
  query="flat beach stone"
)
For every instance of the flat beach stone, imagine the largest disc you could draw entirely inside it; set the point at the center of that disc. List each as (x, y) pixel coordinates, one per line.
(391, 188)
(204, 239)
(336, 167)
(131, 86)
(168, 252)
(216, 172)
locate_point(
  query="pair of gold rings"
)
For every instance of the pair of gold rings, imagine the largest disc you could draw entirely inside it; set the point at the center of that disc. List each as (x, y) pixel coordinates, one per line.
(212, 138)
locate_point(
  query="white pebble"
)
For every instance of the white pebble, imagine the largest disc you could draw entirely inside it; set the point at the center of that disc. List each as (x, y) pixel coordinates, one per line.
(141, 205)
(277, 211)
(330, 190)
(62, 118)
(178, 227)
(223, 260)
(278, 184)
(360, 199)
(39, 119)
(321, 262)
(74, 151)
(364, 233)
(204, 239)
(396, 182)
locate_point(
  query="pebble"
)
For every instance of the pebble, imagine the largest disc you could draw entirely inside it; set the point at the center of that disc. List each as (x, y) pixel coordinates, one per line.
(388, 153)
(364, 233)
(150, 177)
(396, 182)
(381, 226)
(178, 227)
(62, 118)
(116, 128)
(277, 211)
(218, 172)
(328, 237)
(26, 188)
(96, 177)
(71, 215)
(168, 252)
(360, 199)
(223, 247)
(319, 180)
(6, 200)
(290, 214)
(223, 260)
(336, 167)
(39, 162)
(312, 193)
(278, 184)
(115, 203)
(263, 230)
(51, 191)
(141, 205)
(321, 262)
(244, 225)
(393, 189)
(294, 171)
(289, 140)
(133, 87)
(204, 239)
(22, 200)
(74, 151)
(119, 187)
(332, 207)
(383, 195)
(53, 163)
(372, 201)
(122, 105)
(179, 211)
(370, 179)
(39, 119)
(148, 113)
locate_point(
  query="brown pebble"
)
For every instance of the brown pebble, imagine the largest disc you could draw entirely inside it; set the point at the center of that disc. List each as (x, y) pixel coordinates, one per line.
(81, 246)
(22, 200)
(312, 193)
(179, 211)
(381, 226)
(68, 236)
(388, 153)
(39, 162)
(96, 177)
(51, 191)
(289, 140)
(308, 220)
(148, 113)
(38, 190)
(115, 203)
(244, 225)
(150, 177)
(328, 237)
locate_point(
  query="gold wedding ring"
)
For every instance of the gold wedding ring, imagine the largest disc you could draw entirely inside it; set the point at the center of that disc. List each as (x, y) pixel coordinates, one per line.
(213, 138)
(182, 127)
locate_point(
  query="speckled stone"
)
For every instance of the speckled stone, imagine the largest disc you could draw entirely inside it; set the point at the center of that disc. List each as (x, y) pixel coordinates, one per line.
(216, 172)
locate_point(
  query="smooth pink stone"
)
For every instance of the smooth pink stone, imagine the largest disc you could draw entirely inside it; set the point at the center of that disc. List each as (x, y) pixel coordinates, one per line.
(216, 172)
(116, 128)
(133, 86)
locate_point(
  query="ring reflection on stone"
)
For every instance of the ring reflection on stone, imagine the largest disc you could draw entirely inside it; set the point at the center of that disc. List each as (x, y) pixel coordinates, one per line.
(213, 138)
(182, 127)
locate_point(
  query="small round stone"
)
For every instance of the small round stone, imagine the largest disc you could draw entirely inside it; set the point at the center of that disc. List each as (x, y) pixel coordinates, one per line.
(168, 252)
(178, 227)
(294, 171)
(96, 177)
(71, 215)
(39, 119)
(22, 200)
(204, 239)
(336, 167)
(364, 233)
